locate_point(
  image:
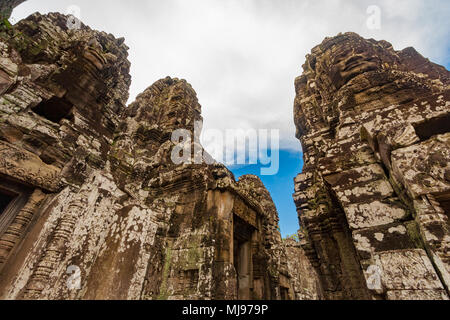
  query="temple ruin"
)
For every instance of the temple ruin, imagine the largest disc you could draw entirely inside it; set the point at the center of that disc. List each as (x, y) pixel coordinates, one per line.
(373, 195)
(93, 207)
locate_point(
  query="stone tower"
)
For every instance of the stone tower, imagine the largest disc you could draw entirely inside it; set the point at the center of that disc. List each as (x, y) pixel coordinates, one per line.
(92, 205)
(374, 196)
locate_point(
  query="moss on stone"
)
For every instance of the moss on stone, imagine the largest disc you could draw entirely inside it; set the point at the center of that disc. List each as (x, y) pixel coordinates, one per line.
(5, 24)
(163, 290)
(414, 233)
(193, 255)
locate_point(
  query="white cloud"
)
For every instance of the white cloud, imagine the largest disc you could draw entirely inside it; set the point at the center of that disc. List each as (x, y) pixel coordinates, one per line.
(242, 56)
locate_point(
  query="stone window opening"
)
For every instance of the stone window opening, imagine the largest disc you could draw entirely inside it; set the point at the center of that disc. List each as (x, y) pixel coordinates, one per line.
(5, 199)
(13, 198)
(55, 110)
(433, 127)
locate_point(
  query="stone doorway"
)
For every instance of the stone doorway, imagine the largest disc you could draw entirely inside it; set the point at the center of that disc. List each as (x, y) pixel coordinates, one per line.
(242, 244)
(284, 293)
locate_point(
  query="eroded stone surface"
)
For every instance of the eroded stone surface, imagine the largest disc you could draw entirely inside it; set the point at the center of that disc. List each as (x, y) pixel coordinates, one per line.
(104, 202)
(306, 285)
(101, 198)
(407, 270)
(373, 123)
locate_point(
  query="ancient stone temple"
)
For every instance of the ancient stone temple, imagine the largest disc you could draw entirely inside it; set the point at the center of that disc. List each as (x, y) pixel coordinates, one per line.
(95, 205)
(374, 195)
(92, 205)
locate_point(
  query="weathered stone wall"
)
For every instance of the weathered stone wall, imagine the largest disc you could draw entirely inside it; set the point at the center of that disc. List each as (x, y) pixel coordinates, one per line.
(373, 198)
(94, 188)
(6, 7)
(305, 280)
(99, 193)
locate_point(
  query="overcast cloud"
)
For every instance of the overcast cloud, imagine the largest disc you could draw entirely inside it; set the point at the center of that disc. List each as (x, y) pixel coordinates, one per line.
(242, 56)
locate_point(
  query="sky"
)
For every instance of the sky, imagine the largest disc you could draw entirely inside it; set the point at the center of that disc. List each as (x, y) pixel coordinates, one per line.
(242, 56)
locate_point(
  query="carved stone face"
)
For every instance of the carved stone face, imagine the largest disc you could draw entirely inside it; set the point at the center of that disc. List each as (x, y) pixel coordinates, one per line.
(322, 209)
(350, 66)
(180, 108)
(349, 60)
(178, 116)
(170, 117)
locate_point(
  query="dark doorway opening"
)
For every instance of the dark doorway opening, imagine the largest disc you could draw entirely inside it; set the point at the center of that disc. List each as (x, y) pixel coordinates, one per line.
(284, 293)
(13, 197)
(8, 198)
(5, 199)
(55, 109)
(243, 233)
